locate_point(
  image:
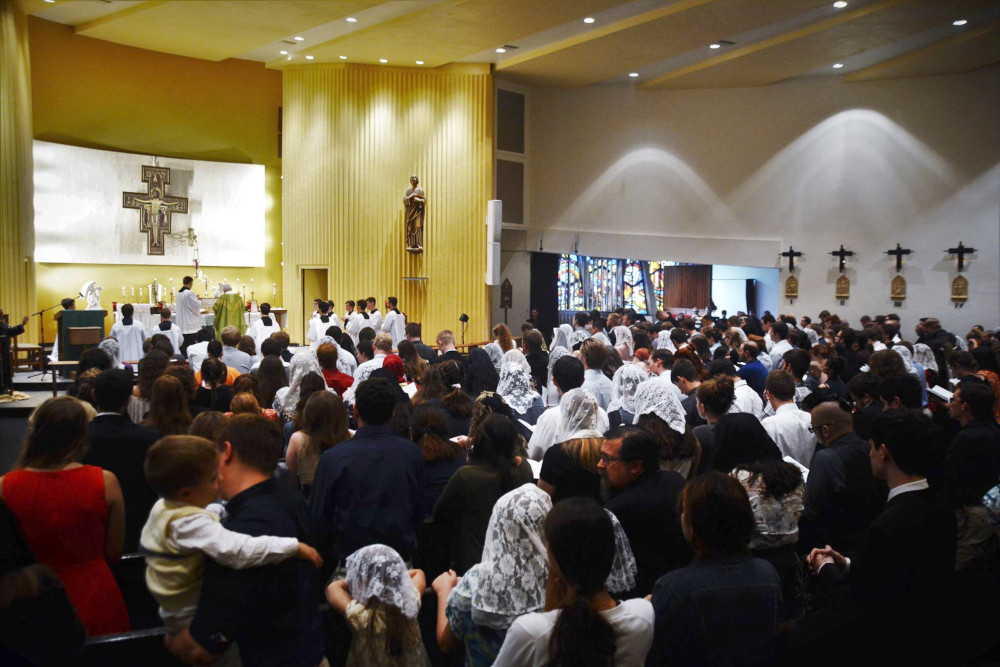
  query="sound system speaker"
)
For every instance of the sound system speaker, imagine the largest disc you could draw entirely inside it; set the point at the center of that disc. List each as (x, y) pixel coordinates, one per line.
(494, 220)
(492, 263)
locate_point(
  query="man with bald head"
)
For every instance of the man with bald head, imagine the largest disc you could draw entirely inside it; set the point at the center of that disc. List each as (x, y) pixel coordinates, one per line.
(842, 495)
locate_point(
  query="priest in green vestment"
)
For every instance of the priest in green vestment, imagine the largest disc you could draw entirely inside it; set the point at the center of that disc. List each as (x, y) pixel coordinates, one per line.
(229, 310)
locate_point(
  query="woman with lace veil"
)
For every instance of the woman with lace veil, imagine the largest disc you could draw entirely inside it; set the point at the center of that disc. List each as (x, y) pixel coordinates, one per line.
(561, 336)
(659, 412)
(550, 395)
(287, 398)
(583, 624)
(380, 600)
(625, 382)
(516, 388)
(569, 467)
(623, 342)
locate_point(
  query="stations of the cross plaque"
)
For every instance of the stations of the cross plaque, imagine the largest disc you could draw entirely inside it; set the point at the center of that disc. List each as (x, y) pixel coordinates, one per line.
(842, 256)
(155, 207)
(898, 252)
(791, 254)
(961, 251)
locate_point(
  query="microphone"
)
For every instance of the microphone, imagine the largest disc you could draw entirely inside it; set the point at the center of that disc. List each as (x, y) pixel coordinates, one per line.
(79, 295)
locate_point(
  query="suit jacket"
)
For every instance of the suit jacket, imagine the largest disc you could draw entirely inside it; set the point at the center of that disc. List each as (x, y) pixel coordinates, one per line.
(119, 446)
(426, 352)
(909, 554)
(450, 354)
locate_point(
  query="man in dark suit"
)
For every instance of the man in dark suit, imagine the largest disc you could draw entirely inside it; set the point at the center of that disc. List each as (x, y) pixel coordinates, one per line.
(446, 349)
(425, 351)
(119, 446)
(644, 499)
(909, 554)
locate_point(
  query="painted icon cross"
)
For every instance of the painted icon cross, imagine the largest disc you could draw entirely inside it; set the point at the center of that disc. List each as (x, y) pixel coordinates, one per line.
(155, 207)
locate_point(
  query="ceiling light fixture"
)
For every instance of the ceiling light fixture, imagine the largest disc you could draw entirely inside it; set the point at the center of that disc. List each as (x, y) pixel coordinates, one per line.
(501, 50)
(960, 22)
(51, 2)
(420, 62)
(838, 65)
(840, 4)
(715, 46)
(633, 74)
(383, 60)
(343, 57)
(284, 53)
(309, 57)
(351, 19)
(589, 19)
(299, 38)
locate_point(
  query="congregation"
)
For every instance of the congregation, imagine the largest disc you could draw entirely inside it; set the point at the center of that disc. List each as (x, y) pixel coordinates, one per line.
(625, 489)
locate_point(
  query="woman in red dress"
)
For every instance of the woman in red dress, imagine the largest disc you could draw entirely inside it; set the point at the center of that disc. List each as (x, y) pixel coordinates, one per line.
(72, 515)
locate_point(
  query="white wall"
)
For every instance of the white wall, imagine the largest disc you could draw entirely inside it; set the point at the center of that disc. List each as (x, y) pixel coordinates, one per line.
(733, 176)
(732, 279)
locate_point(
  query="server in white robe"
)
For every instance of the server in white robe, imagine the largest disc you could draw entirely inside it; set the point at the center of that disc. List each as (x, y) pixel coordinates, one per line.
(395, 322)
(359, 320)
(262, 329)
(318, 327)
(129, 334)
(374, 315)
(170, 330)
(188, 306)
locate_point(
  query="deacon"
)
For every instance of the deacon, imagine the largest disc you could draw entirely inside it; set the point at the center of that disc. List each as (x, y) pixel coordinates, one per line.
(188, 313)
(395, 322)
(6, 333)
(129, 335)
(262, 329)
(229, 310)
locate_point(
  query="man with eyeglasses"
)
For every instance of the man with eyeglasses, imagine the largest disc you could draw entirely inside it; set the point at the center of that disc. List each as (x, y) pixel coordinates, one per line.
(842, 495)
(644, 499)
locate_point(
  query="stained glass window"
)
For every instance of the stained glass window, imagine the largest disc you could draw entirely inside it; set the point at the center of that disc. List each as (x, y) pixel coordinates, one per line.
(634, 291)
(570, 283)
(656, 279)
(604, 278)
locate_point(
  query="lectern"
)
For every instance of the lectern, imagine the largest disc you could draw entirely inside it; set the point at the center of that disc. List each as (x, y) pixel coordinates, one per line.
(78, 331)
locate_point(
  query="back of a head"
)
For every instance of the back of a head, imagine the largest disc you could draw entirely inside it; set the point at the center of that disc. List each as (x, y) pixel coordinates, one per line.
(230, 336)
(375, 400)
(203, 336)
(532, 340)
(412, 329)
(886, 363)
(496, 439)
(780, 477)
(257, 441)
(112, 388)
(567, 372)
(721, 367)
(179, 461)
(383, 343)
(906, 434)
(797, 361)
(244, 403)
(581, 542)
(367, 334)
(213, 371)
(780, 385)
(214, 349)
(206, 424)
(283, 339)
(594, 352)
(717, 509)
(979, 396)
(684, 369)
(429, 429)
(717, 394)
(95, 357)
(445, 337)
(127, 310)
(247, 345)
(326, 355)
(665, 357)
(270, 348)
(365, 348)
(162, 343)
(905, 387)
(780, 329)
(57, 433)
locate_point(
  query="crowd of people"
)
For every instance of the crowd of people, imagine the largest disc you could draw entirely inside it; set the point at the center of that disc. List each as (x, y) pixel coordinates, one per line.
(628, 490)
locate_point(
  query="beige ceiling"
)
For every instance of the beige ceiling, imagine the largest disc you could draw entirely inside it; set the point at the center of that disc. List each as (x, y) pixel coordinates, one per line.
(666, 42)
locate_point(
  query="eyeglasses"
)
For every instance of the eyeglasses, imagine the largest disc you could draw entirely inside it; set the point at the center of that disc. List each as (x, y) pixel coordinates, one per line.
(813, 429)
(607, 458)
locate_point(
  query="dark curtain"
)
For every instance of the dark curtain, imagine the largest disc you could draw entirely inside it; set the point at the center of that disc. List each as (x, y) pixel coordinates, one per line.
(751, 296)
(545, 290)
(687, 286)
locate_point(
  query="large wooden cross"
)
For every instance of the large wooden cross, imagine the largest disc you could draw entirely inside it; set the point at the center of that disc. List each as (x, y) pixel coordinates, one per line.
(961, 251)
(791, 254)
(155, 207)
(899, 252)
(842, 255)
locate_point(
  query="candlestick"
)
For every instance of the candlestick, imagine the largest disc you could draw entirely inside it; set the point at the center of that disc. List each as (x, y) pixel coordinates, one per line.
(123, 292)
(133, 292)
(274, 291)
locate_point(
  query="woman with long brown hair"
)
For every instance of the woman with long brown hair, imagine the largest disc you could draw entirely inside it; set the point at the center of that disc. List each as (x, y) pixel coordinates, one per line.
(502, 337)
(168, 407)
(323, 425)
(413, 363)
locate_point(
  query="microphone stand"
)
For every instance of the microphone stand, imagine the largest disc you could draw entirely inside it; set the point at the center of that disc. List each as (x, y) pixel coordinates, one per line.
(41, 328)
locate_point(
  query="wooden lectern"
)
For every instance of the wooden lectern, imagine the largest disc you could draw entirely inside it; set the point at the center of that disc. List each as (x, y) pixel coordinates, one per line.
(79, 330)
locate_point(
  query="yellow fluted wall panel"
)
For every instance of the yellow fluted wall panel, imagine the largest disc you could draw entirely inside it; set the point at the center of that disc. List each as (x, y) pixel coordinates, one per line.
(17, 273)
(353, 135)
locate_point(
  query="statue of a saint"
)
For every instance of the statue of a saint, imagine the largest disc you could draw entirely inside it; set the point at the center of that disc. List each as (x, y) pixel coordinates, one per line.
(414, 201)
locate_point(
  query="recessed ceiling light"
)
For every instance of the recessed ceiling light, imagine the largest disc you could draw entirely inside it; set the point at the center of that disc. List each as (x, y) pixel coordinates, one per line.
(501, 50)
(838, 65)
(383, 60)
(715, 46)
(351, 19)
(51, 1)
(343, 57)
(589, 19)
(420, 62)
(960, 22)
(309, 57)
(633, 74)
(299, 38)
(840, 4)
(284, 53)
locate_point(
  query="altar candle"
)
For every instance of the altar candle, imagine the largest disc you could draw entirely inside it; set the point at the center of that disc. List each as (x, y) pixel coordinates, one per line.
(133, 292)
(274, 292)
(123, 292)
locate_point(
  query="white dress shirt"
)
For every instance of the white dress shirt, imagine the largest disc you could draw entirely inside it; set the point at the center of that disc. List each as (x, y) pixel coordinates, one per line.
(746, 400)
(598, 384)
(196, 354)
(789, 428)
(778, 351)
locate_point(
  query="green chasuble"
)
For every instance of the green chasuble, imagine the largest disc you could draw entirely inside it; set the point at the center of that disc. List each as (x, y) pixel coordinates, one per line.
(229, 309)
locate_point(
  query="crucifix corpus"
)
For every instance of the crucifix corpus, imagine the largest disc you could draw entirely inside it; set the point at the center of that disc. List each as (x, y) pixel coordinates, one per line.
(842, 256)
(961, 251)
(791, 254)
(155, 207)
(899, 252)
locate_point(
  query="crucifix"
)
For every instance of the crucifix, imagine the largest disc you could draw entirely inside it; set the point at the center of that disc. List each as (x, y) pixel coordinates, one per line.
(961, 251)
(842, 255)
(155, 207)
(899, 252)
(791, 254)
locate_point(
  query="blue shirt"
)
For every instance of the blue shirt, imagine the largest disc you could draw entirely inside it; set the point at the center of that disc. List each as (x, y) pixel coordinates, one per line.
(368, 490)
(755, 375)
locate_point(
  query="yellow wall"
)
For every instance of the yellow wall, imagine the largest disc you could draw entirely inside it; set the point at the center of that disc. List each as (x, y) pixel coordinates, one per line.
(86, 92)
(353, 136)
